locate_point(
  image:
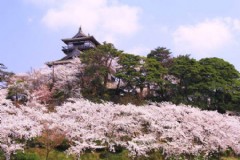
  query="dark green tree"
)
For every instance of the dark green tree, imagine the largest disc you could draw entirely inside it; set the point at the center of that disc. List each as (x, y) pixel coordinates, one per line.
(140, 72)
(98, 66)
(210, 83)
(185, 71)
(152, 72)
(219, 80)
(162, 55)
(3, 73)
(234, 97)
(128, 71)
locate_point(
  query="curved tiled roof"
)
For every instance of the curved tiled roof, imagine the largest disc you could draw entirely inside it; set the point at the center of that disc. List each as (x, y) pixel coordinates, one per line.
(80, 34)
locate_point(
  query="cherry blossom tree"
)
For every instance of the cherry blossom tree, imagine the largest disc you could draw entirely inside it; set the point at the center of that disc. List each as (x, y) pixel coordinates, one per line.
(175, 130)
(42, 94)
(51, 137)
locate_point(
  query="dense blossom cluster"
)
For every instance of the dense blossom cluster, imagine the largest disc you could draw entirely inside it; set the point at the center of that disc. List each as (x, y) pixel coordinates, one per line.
(40, 85)
(173, 129)
(62, 77)
(16, 123)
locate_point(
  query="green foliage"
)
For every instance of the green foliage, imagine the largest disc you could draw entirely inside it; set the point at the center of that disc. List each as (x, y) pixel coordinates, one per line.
(219, 81)
(17, 92)
(128, 70)
(210, 83)
(98, 66)
(129, 98)
(152, 155)
(186, 70)
(123, 155)
(120, 154)
(2, 157)
(139, 72)
(154, 70)
(2, 67)
(4, 75)
(154, 74)
(59, 97)
(90, 156)
(32, 143)
(25, 156)
(162, 55)
(53, 155)
(56, 155)
(96, 93)
(63, 146)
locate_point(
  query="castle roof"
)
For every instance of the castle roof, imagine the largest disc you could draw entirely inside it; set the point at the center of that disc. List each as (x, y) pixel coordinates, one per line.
(80, 36)
(74, 53)
(75, 46)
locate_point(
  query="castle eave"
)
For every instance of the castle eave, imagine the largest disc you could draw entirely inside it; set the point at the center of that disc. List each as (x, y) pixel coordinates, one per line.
(91, 38)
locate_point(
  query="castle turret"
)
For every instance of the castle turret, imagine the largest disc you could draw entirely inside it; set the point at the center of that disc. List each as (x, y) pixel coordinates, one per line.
(75, 45)
(78, 43)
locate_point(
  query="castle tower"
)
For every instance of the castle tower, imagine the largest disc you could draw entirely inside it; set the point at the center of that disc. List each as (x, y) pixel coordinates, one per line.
(75, 45)
(78, 43)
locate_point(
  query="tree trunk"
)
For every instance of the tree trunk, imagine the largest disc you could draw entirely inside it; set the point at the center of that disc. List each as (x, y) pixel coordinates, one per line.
(105, 81)
(47, 153)
(118, 85)
(148, 90)
(141, 93)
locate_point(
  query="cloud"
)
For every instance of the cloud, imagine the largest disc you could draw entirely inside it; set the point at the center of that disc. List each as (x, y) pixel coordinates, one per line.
(140, 50)
(207, 37)
(106, 17)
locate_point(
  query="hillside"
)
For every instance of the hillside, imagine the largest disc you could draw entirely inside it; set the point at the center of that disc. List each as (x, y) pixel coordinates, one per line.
(174, 130)
(69, 109)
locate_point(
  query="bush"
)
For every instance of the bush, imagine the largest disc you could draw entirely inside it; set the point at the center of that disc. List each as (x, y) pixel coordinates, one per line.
(63, 146)
(2, 157)
(31, 143)
(133, 99)
(25, 156)
(59, 96)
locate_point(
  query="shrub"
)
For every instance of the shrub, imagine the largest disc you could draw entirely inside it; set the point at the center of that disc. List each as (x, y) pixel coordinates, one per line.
(31, 143)
(25, 156)
(63, 146)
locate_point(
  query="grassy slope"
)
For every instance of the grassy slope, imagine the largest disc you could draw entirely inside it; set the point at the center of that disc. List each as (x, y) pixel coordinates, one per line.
(39, 154)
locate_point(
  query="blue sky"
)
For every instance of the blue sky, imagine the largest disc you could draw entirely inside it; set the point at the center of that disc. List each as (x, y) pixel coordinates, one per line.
(31, 30)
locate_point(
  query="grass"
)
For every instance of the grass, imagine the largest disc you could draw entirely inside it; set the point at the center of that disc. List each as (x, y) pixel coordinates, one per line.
(229, 158)
(2, 155)
(53, 155)
(39, 154)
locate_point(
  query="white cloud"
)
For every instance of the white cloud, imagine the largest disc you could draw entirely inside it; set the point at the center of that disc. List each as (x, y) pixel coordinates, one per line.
(207, 37)
(140, 50)
(107, 18)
